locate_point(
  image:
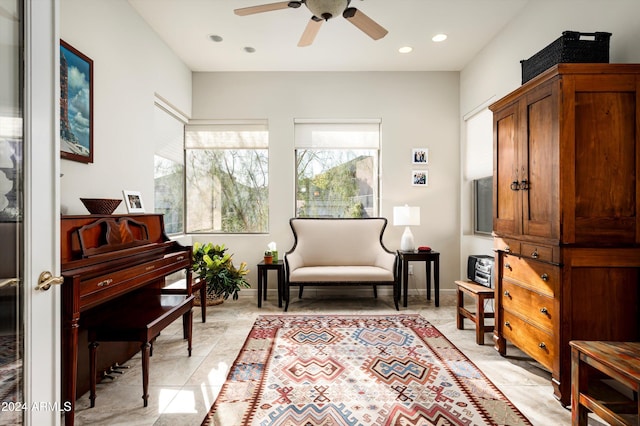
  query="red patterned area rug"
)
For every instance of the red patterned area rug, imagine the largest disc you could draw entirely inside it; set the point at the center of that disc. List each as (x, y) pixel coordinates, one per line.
(356, 370)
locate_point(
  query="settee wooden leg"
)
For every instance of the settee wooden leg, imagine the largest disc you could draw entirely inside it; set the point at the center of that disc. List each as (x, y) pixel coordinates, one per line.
(375, 291)
(300, 291)
(286, 295)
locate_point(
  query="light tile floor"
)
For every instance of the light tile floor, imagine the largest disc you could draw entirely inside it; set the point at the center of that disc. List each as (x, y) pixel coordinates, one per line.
(182, 389)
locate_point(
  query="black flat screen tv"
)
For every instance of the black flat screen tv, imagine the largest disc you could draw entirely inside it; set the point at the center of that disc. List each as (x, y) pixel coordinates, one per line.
(483, 205)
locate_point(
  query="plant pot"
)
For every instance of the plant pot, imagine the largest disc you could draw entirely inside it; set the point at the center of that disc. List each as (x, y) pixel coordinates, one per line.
(212, 299)
(268, 260)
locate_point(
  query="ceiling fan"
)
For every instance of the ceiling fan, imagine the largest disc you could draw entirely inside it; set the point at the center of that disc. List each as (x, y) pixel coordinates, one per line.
(322, 10)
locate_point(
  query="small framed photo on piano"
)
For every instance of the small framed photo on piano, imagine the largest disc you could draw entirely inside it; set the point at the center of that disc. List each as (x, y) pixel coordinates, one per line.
(133, 200)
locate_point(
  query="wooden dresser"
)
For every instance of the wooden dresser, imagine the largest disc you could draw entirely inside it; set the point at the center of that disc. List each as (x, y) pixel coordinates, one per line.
(566, 213)
(104, 260)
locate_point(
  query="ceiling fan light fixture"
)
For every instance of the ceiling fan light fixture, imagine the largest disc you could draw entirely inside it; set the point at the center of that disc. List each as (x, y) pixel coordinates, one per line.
(327, 9)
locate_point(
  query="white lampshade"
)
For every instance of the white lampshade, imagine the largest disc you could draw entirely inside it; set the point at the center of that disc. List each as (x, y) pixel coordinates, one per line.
(406, 216)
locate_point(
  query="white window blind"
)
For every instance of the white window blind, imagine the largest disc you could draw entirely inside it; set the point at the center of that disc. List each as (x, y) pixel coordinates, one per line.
(168, 134)
(252, 135)
(355, 135)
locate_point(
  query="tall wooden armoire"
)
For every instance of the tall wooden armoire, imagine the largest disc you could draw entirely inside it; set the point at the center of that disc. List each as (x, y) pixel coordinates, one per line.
(566, 213)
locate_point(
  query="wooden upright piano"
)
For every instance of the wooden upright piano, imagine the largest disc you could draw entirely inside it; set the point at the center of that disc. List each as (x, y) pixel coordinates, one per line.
(104, 258)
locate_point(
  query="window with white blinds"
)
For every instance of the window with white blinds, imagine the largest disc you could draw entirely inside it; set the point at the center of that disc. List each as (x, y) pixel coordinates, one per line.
(337, 166)
(227, 177)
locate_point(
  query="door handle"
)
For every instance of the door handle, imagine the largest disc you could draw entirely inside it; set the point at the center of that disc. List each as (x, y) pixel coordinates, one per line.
(46, 280)
(9, 282)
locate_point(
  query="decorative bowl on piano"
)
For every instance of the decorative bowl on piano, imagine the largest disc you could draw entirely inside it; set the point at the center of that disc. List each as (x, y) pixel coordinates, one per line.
(101, 205)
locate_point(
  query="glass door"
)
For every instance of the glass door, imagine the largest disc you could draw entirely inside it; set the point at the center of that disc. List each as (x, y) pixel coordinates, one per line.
(11, 201)
(29, 214)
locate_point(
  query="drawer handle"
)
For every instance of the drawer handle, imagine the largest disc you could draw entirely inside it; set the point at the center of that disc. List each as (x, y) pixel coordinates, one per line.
(535, 254)
(544, 277)
(150, 267)
(105, 282)
(180, 257)
(507, 249)
(541, 345)
(507, 294)
(544, 311)
(507, 324)
(508, 266)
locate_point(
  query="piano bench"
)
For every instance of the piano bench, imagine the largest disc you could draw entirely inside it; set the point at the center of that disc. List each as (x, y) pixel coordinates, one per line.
(140, 318)
(197, 285)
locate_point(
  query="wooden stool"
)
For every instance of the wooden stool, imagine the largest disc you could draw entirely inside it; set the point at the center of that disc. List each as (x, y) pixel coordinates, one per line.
(197, 285)
(479, 293)
(140, 318)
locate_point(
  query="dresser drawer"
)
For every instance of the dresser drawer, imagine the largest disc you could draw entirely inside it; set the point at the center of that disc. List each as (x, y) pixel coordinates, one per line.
(535, 307)
(543, 253)
(506, 245)
(530, 339)
(542, 277)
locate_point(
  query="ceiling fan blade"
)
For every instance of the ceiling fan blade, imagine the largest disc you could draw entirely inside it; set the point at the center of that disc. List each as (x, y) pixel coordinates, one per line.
(366, 24)
(310, 32)
(244, 11)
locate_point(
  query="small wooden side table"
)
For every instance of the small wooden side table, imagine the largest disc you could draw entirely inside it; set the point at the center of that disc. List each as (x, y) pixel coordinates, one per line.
(263, 270)
(427, 257)
(479, 293)
(619, 361)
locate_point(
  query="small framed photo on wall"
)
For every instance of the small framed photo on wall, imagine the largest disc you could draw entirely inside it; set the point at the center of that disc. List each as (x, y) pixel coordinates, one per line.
(420, 156)
(420, 177)
(133, 200)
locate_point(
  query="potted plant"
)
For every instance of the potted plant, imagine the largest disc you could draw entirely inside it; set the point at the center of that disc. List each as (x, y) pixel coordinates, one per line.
(214, 265)
(268, 257)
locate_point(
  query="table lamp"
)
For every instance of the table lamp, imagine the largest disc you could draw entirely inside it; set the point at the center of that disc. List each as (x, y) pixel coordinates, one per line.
(406, 216)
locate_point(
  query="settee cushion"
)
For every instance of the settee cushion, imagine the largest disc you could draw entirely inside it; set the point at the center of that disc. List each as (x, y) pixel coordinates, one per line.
(341, 274)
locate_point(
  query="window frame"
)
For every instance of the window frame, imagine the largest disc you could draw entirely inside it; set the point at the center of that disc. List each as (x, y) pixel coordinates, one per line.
(304, 130)
(165, 151)
(194, 145)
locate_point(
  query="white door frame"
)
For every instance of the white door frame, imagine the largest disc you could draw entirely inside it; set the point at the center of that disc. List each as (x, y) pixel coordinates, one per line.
(42, 346)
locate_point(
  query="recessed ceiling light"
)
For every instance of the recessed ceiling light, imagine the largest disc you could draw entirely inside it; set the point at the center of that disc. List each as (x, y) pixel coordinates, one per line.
(405, 49)
(215, 37)
(439, 37)
(249, 49)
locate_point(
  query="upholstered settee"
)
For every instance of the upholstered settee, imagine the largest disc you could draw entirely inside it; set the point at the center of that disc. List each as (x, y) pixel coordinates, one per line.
(338, 252)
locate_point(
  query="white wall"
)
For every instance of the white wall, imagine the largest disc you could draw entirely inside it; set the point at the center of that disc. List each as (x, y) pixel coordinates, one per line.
(496, 71)
(130, 64)
(417, 109)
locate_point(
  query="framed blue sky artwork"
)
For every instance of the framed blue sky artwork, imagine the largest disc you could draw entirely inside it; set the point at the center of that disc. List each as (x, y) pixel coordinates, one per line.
(76, 105)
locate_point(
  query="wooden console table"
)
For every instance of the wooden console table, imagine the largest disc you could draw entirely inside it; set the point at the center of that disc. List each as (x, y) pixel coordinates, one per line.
(619, 361)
